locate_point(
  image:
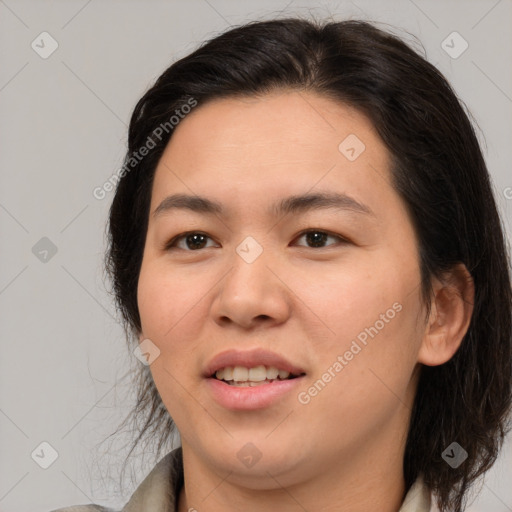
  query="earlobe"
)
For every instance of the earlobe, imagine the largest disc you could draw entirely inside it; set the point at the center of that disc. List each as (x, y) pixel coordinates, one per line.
(452, 308)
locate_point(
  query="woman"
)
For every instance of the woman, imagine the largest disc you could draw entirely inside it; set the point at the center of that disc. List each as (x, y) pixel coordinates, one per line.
(305, 244)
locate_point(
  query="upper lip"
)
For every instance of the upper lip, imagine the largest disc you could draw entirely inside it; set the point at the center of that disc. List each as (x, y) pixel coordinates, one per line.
(250, 359)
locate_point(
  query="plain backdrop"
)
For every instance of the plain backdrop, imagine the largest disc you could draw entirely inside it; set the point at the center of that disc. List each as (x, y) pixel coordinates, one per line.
(63, 123)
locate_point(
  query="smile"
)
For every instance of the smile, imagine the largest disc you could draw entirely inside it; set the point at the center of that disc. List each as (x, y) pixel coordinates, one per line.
(241, 376)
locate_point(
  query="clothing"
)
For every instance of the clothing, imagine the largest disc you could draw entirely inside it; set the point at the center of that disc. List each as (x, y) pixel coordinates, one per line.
(159, 491)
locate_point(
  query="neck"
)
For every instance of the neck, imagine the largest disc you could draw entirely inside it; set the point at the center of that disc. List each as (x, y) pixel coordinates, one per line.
(355, 482)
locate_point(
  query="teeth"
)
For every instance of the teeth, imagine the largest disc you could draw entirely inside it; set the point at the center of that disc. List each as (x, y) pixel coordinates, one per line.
(255, 374)
(240, 373)
(283, 374)
(272, 373)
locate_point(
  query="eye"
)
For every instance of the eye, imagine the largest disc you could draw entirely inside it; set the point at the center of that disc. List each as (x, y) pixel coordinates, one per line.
(317, 237)
(193, 239)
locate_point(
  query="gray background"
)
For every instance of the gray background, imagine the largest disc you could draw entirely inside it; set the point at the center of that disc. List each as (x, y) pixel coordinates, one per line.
(63, 132)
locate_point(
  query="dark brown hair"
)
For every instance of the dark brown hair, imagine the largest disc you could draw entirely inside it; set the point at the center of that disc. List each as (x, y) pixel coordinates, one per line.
(438, 170)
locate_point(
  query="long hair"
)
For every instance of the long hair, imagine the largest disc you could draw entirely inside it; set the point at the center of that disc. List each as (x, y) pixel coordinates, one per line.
(438, 170)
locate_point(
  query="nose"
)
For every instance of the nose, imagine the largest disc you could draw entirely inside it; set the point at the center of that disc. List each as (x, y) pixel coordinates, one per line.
(252, 294)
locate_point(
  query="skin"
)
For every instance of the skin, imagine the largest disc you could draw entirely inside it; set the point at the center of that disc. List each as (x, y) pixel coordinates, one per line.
(343, 450)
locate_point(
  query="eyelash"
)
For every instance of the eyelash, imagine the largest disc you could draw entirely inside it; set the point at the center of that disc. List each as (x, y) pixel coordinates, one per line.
(170, 245)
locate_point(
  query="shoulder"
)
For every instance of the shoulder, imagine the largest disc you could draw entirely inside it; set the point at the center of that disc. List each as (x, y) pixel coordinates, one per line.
(158, 491)
(418, 498)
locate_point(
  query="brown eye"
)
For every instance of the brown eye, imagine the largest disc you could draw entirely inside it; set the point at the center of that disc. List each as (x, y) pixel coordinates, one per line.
(318, 238)
(195, 240)
(192, 241)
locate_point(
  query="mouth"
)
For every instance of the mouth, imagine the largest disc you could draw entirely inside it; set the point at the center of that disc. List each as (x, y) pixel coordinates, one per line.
(251, 379)
(241, 376)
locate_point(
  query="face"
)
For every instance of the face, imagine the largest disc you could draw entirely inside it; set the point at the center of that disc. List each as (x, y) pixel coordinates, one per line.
(332, 287)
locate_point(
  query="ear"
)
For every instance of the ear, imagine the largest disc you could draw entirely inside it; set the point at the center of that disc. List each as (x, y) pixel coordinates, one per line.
(448, 322)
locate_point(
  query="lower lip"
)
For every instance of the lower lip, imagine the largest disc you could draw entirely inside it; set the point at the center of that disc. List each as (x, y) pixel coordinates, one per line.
(251, 397)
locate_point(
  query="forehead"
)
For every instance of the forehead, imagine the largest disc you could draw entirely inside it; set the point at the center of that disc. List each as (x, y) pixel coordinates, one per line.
(287, 121)
(263, 148)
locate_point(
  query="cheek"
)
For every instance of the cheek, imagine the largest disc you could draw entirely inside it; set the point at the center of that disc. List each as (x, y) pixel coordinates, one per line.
(360, 299)
(372, 314)
(167, 300)
(363, 384)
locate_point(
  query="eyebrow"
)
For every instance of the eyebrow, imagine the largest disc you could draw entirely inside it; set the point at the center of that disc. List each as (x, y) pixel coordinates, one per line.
(293, 204)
